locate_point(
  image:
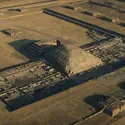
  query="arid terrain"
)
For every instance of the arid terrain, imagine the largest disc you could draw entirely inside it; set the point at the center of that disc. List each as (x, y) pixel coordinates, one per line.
(62, 62)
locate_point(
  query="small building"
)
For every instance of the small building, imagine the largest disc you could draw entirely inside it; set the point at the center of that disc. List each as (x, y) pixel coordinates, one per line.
(21, 9)
(115, 104)
(73, 7)
(109, 19)
(18, 9)
(12, 32)
(90, 13)
(77, 8)
(114, 20)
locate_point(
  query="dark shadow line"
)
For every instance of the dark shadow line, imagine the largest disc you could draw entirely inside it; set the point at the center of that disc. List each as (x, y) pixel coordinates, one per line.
(27, 4)
(83, 23)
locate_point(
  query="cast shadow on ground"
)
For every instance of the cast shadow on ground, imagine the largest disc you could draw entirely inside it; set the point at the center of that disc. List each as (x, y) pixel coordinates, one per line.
(93, 100)
(94, 73)
(121, 0)
(22, 45)
(25, 100)
(122, 85)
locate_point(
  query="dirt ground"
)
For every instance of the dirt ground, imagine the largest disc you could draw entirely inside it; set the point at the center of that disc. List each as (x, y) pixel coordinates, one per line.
(90, 19)
(119, 122)
(36, 27)
(69, 106)
(105, 11)
(66, 107)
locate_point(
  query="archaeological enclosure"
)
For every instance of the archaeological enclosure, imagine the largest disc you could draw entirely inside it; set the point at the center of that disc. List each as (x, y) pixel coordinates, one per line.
(62, 62)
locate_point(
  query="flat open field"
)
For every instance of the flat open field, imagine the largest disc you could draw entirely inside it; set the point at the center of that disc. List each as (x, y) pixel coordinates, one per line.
(33, 25)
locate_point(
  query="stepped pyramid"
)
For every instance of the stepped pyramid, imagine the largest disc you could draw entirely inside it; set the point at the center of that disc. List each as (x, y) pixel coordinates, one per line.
(71, 58)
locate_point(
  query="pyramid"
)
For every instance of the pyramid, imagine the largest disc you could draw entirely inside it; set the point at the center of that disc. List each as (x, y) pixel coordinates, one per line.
(71, 58)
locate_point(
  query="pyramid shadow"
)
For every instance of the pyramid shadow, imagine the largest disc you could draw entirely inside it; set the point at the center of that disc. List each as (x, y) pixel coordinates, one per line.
(21, 46)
